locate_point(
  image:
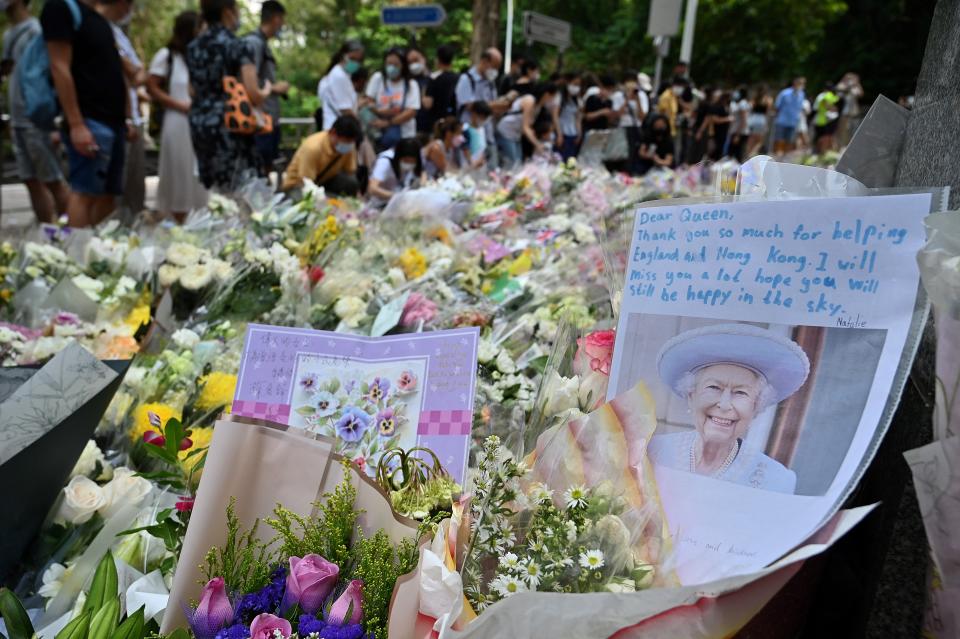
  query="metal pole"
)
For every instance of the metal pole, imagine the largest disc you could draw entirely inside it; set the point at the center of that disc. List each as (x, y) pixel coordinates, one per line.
(662, 45)
(689, 26)
(508, 53)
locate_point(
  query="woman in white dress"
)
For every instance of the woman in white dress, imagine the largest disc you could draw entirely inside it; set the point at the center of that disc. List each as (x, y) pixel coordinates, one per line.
(728, 374)
(180, 190)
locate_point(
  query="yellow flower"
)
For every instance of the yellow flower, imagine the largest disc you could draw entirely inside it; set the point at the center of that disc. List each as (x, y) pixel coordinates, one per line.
(216, 391)
(141, 419)
(201, 439)
(413, 263)
(6, 295)
(522, 264)
(139, 316)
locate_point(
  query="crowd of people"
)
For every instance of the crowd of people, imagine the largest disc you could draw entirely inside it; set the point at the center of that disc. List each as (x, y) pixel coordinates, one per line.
(215, 109)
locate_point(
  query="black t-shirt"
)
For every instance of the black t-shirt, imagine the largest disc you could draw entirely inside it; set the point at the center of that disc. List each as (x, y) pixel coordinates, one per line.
(596, 103)
(443, 90)
(720, 129)
(96, 67)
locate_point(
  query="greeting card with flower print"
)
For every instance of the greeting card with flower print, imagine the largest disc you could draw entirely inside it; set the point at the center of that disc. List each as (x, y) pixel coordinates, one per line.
(372, 394)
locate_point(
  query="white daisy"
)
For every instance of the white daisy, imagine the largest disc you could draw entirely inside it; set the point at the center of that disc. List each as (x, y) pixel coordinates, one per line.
(575, 497)
(592, 559)
(506, 585)
(540, 494)
(530, 572)
(510, 560)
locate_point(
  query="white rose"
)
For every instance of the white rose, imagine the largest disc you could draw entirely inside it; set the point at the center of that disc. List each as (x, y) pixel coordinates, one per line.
(168, 275)
(196, 277)
(125, 488)
(561, 394)
(182, 254)
(583, 233)
(81, 498)
(88, 460)
(352, 310)
(185, 339)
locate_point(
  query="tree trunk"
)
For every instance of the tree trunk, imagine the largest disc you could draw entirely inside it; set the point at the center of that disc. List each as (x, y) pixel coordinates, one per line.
(486, 27)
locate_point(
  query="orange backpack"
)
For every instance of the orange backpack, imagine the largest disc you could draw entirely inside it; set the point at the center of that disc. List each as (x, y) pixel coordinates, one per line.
(239, 114)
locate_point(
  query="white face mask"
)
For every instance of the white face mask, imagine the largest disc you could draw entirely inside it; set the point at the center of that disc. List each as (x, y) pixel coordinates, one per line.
(407, 167)
(573, 89)
(491, 74)
(416, 68)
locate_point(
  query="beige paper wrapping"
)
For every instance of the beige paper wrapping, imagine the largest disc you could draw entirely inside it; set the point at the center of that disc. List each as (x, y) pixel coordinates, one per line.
(263, 464)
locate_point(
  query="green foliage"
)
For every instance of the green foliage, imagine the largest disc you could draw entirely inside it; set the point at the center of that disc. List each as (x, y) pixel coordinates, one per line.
(378, 563)
(244, 562)
(131, 627)
(77, 628)
(104, 622)
(329, 534)
(14, 616)
(248, 297)
(104, 586)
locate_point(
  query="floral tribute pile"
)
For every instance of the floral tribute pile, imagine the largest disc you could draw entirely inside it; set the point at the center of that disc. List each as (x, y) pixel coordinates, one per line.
(520, 256)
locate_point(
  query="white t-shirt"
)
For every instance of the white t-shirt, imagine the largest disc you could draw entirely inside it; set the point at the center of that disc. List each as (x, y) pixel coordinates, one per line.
(391, 94)
(337, 94)
(383, 173)
(740, 112)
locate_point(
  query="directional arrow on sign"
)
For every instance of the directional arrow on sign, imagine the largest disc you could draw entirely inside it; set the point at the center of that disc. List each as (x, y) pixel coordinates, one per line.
(424, 15)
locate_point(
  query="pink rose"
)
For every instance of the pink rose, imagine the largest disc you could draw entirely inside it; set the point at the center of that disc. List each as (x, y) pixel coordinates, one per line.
(214, 611)
(309, 582)
(594, 353)
(265, 625)
(417, 308)
(350, 602)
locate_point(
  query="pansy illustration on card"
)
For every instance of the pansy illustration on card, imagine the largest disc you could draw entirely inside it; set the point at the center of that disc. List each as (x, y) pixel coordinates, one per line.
(371, 394)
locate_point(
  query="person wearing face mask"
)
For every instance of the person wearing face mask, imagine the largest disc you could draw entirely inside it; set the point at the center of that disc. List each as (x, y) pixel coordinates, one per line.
(396, 100)
(479, 84)
(475, 134)
(37, 162)
(598, 111)
(669, 102)
(272, 18)
(519, 123)
(225, 160)
(328, 159)
(443, 153)
(88, 77)
(571, 116)
(656, 150)
(336, 91)
(395, 169)
(419, 73)
(440, 99)
(631, 120)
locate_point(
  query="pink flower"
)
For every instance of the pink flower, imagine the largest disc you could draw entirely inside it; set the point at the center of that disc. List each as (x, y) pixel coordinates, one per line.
(156, 439)
(349, 603)
(594, 353)
(265, 625)
(417, 308)
(407, 381)
(214, 611)
(309, 582)
(184, 504)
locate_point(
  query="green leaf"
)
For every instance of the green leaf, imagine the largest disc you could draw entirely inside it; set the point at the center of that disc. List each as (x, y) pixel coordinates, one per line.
(179, 633)
(104, 587)
(334, 385)
(174, 433)
(132, 626)
(539, 364)
(306, 411)
(104, 622)
(76, 629)
(14, 616)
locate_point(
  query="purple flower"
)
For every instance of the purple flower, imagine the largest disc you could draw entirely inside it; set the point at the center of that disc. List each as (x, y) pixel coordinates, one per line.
(236, 631)
(386, 422)
(352, 425)
(267, 599)
(214, 611)
(267, 626)
(309, 382)
(309, 582)
(309, 624)
(353, 631)
(66, 319)
(350, 602)
(378, 389)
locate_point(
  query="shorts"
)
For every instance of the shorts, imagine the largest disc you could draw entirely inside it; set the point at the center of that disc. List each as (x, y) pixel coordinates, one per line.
(830, 128)
(757, 124)
(783, 133)
(36, 157)
(103, 173)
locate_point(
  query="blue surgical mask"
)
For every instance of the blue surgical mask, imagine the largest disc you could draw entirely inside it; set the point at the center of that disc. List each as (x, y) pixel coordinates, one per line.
(343, 147)
(351, 66)
(393, 71)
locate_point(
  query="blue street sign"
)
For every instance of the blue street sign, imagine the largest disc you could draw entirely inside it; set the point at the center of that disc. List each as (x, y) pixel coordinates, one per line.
(424, 15)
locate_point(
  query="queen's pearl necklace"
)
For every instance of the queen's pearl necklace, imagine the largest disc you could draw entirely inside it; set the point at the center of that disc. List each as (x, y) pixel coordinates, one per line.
(723, 467)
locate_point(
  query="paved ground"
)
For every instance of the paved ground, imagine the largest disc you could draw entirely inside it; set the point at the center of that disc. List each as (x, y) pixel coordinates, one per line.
(16, 214)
